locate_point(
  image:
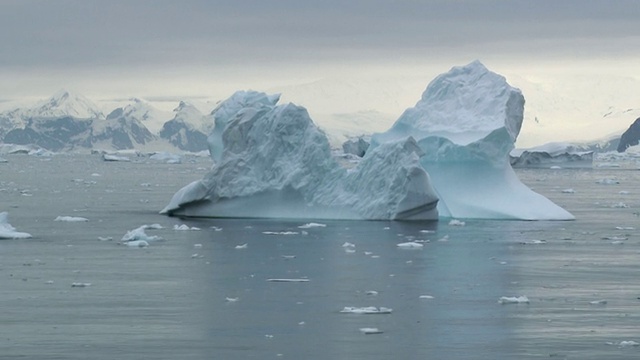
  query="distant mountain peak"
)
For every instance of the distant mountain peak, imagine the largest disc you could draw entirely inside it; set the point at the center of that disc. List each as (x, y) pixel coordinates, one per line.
(65, 103)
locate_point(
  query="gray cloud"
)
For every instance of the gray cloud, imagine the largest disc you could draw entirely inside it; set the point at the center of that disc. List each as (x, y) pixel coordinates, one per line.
(119, 33)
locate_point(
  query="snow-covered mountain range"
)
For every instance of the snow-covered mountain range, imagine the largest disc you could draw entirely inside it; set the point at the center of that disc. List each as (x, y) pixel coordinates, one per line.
(71, 122)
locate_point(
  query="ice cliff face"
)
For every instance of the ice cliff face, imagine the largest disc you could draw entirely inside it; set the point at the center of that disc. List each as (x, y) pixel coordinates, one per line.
(272, 161)
(631, 137)
(180, 130)
(467, 122)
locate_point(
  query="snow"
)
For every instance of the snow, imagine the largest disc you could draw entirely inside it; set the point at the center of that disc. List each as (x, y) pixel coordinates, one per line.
(273, 162)
(467, 122)
(9, 232)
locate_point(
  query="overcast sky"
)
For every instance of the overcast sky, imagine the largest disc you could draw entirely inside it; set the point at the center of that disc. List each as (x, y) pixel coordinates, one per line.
(235, 40)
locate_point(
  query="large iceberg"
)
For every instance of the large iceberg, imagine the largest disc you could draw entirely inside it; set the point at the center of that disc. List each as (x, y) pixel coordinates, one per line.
(467, 122)
(272, 161)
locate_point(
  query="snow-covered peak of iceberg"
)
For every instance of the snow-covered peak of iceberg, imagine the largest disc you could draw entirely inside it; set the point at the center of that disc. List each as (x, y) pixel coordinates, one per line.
(65, 103)
(467, 122)
(237, 105)
(464, 105)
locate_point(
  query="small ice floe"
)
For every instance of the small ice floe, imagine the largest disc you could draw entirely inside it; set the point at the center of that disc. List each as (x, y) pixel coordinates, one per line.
(623, 192)
(154, 226)
(533, 242)
(615, 238)
(280, 233)
(410, 245)
(9, 232)
(513, 300)
(371, 292)
(80, 284)
(288, 257)
(166, 157)
(568, 191)
(625, 228)
(367, 310)
(370, 331)
(215, 228)
(185, 227)
(426, 297)
(49, 282)
(71, 219)
(243, 246)
(444, 238)
(349, 251)
(555, 167)
(456, 222)
(598, 302)
(139, 234)
(311, 225)
(386, 228)
(96, 175)
(348, 245)
(230, 299)
(624, 343)
(110, 157)
(137, 243)
(427, 231)
(620, 205)
(197, 246)
(607, 181)
(289, 280)
(105, 238)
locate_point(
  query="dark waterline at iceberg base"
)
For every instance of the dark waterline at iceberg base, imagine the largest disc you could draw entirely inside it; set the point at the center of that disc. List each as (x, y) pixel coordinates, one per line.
(194, 295)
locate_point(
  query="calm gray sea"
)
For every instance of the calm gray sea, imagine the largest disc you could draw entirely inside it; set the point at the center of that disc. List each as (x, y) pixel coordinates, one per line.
(194, 295)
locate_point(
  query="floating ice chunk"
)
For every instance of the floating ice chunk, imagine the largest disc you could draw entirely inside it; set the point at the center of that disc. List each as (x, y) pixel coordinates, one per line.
(80, 284)
(607, 181)
(533, 242)
(568, 191)
(280, 233)
(349, 251)
(3, 160)
(624, 343)
(288, 257)
(348, 245)
(625, 228)
(555, 167)
(615, 238)
(620, 205)
(215, 228)
(410, 245)
(197, 245)
(243, 246)
(137, 243)
(71, 219)
(166, 157)
(288, 280)
(9, 232)
(230, 299)
(369, 331)
(368, 310)
(426, 297)
(598, 302)
(623, 192)
(154, 226)
(371, 292)
(427, 231)
(105, 238)
(456, 222)
(139, 234)
(110, 157)
(513, 300)
(185, 227)
(311, 225)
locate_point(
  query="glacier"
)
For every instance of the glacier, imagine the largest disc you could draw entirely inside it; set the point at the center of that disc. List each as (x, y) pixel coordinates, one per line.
(272, 161)
(467, 122)
(553, 153)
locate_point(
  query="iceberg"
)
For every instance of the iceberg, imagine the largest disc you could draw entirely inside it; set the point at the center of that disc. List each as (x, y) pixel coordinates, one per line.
(466, 123)
(271, 161)
(9, 232)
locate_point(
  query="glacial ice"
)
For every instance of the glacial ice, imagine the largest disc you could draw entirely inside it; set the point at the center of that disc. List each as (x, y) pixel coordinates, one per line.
(467, 122)
(272, 161)
(554, 153)
(9, 232)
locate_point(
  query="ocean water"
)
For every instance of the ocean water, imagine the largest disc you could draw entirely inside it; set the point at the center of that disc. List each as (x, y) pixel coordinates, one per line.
(195, 295)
